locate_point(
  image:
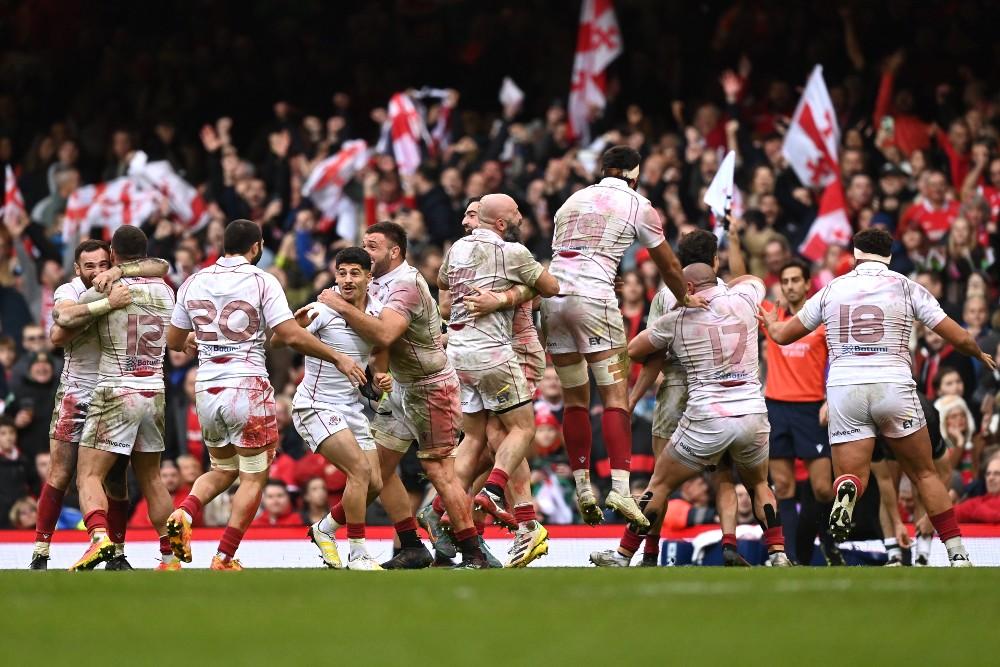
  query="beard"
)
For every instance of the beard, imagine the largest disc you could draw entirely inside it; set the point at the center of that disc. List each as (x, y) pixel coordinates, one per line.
(256, 258)
(512, 234)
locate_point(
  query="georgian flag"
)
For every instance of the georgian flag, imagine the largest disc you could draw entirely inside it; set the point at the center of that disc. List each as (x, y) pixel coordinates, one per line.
(121, 201)
(13, 202)
(184, 199)
(722, 193)
(831, 226)
(325, 185)
(598, 42)
(405, 128)
(813, 136)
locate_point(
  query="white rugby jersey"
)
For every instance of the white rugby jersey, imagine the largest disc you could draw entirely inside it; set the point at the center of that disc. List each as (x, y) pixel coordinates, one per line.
(674, 374)
(718, 348)
(417, 354)
(592, 231)
(82, 355)
(485, 261)
(322, 384)
(869, 315)
(229, 306)
(133, 339)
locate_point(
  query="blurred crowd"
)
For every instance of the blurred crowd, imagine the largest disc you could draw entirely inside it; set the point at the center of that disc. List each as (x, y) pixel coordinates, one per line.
(920, 156)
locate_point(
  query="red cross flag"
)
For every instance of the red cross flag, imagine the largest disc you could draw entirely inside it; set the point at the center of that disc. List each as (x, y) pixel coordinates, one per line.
(184, 199)
(13, 202)
(831, 226)
(326, 182)
(598, 42)
(813, 136)
(118, 202)
(407, 128)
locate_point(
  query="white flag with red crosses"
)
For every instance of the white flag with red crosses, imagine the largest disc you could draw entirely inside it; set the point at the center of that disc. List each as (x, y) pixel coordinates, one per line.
(325, 185)
(598, 42)
(13, 202)
(813, 136)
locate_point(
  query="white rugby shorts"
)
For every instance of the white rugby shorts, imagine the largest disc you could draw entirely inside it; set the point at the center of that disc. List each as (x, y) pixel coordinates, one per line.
(864, 410)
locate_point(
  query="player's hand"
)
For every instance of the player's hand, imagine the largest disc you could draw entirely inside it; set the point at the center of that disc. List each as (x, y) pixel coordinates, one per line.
(191, 345)
(119, 296)
(824, 414)
(306, 314)
(333, 300)
(383, 382)
(923, 526)
(351, 369)
(695, 301)
(903, 536)
(988, 360)
(481, 302)
(103, 281)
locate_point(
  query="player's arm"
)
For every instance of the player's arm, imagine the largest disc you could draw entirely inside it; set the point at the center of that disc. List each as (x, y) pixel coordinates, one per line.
(647, 376)
(148, 267)
(444, 304)
(177, 338)
(746, 278)
(382, 331)
(670, 270)
(291, 334)
(91, 306)
(737, 263)
(379, 363)
(963, 341)
(782, 333)
(642, 346)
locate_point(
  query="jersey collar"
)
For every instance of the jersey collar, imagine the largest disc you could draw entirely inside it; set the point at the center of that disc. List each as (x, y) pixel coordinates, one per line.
(486, 235)
(230, 262)
(871, 267)
(614, 182)
(396, 273)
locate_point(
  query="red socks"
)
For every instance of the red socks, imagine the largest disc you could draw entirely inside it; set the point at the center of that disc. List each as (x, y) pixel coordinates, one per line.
(117, 520)
(630, 541)
(578, 436)
(729, 540)
(49, 506)
(337, 512)
(652, 546)
(407, 531)
(946, 525)
(96, 520)
(192, 506)
(230, 541)
(524, 512)
(355, 531)
(616, 425)
(480, 527)
(438, 505)
(773, 537)
(498, 477)
(165, 546)
(466, 534)
(852, 478)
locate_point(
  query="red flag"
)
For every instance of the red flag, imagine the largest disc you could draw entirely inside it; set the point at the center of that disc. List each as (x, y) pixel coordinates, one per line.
(406, 127)
(326, 182)
(13, 202)
(184, 199)
(813, 136)
(831, 226)
(118, 202)
(598, 42)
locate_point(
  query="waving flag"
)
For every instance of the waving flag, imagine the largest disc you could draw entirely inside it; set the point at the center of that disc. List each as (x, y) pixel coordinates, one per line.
(118, 202)
(598, 42)
(184, 199)
(813, 136)
(721, 192)
(831, 226)
(13, 202)
(325, 185)
(405, 127)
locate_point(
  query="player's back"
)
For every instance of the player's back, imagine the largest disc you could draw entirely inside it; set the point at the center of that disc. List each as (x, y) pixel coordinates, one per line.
(82, 355)
(593, 229)
(717, 346)
(230, 305)
(133, 338)
(869, 316)
(417, 354)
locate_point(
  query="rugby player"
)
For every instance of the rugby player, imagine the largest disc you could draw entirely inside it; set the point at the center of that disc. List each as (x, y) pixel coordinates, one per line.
(725, 411)
(583, 325)
(225, 310)
(696, 247)
(424, 404)
(328, 415)
(480, 348)
(796, 408)
(869, 316)
(125, 416)
(81, 356)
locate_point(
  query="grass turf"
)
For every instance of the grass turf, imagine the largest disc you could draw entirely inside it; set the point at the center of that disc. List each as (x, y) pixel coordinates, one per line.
(536, 616)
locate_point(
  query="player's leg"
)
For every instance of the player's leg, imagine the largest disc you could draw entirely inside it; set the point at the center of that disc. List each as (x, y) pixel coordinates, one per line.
(765, 507)
(852, 440)
(913, 451)
(224, 469)
(820, 471)
(116, 490)
(532, 539)
(147, 472)
(894, 535)
(572, 371)
(93, 466)
(441, 473)
(782, 472)
(726, 505)
(610, 369)
(342, 450)
(62, 463)
(254, 463)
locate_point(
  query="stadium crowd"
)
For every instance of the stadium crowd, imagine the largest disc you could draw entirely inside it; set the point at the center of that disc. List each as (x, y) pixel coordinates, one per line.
(919, 156)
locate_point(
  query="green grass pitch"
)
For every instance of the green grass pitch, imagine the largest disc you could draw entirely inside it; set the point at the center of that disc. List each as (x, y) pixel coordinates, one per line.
(676, 616)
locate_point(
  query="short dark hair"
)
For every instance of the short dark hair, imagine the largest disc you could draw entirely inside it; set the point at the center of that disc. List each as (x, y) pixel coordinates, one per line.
(472, 200)
(392, 231)
(930, 273)
(239, 237)
(874, 240)
(697, 247)
(942, 371)
(276, 482)
(7, 421)
(90, 245)
(623, 158)
(796, 263)
(129, 242)
(354, 255)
